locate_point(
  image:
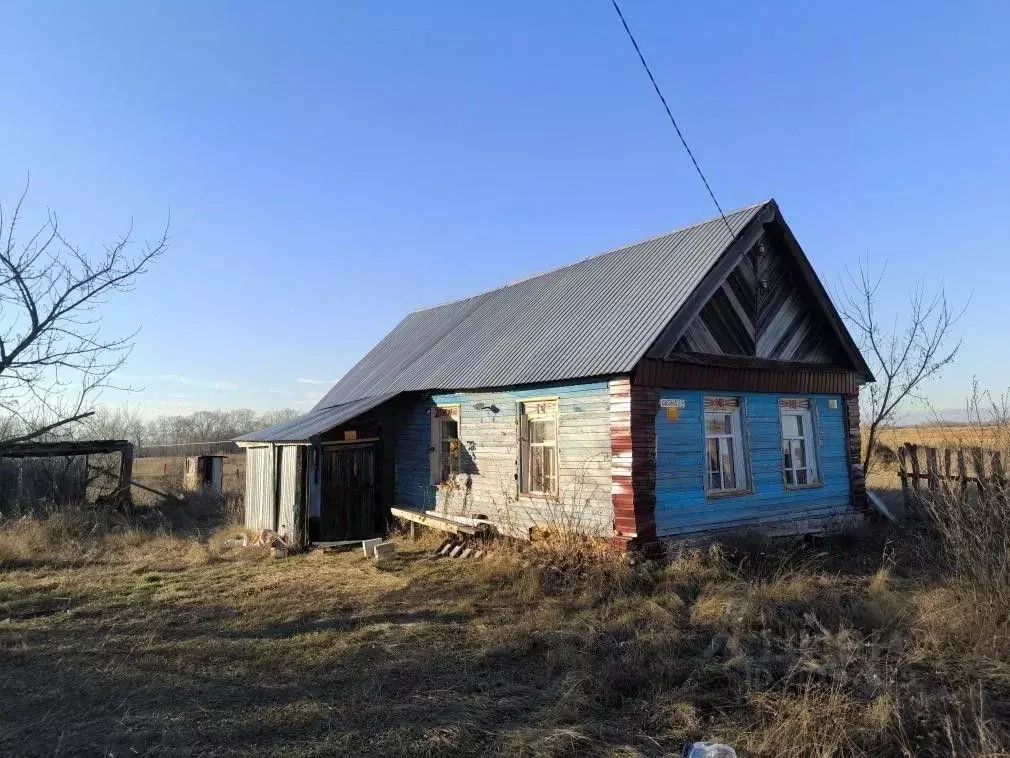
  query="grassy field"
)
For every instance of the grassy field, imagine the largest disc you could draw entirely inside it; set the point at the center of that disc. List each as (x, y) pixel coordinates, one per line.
(137, 642)
(166, 473)
(883, 477)
(940, 436)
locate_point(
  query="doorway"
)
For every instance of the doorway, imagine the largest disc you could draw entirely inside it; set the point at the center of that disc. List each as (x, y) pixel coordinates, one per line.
(348, 508)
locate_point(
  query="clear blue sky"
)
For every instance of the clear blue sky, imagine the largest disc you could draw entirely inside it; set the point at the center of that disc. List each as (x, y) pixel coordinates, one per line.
(329, 167)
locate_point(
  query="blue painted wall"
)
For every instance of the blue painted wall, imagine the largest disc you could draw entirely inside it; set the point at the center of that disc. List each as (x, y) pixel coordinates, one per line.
(682, 506)
(412, 478)
(488, 478)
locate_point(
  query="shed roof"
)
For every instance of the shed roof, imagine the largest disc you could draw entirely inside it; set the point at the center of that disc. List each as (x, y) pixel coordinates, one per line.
(316, 421)
(595, 317)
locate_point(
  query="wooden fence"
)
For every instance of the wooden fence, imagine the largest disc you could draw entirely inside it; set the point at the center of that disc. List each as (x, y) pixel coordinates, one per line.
(963, 467)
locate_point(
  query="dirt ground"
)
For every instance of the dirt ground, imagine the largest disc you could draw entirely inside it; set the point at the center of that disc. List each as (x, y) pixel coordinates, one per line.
(144, 643)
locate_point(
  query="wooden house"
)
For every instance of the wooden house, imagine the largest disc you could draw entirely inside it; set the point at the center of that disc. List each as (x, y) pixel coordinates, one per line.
(694, 382)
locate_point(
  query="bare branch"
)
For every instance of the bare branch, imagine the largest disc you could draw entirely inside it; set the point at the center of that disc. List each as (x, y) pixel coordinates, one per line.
(54, 357)
(46, 429)
(913, 351)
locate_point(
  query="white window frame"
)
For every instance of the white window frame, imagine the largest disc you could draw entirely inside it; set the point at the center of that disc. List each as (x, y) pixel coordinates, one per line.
(538, 409)
(438, 414)
(808, 439)
(732, 441)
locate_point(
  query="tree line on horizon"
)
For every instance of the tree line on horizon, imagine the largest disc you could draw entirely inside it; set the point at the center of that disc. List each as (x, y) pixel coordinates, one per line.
(199, 427)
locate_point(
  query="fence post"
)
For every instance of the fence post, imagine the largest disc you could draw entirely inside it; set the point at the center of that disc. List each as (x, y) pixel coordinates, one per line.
(913, 451)
(903, 474)
(932, 470)
(124, 495)
(947, 476)
(978, 461)
(998, 475)
(962, 471)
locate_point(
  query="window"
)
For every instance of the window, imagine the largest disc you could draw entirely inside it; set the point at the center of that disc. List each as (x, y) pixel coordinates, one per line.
(799, 464)
(724, 456)
(445, 444)
(538, 448)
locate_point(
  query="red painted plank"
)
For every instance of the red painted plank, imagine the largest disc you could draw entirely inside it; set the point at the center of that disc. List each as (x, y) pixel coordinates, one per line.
(625, 525)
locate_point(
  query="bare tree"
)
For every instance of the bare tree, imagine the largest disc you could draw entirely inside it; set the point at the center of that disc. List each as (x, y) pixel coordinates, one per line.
(200, 427)
(124, 422)
(54, 358)
(903, 355)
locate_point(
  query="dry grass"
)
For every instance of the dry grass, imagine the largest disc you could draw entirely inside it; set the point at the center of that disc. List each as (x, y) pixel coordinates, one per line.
(122, 640)
(935, 435)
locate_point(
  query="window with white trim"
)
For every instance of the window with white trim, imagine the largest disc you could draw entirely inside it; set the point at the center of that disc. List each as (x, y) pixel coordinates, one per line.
(444, 444)
(538, 447)
(799, 461)
(725, 466)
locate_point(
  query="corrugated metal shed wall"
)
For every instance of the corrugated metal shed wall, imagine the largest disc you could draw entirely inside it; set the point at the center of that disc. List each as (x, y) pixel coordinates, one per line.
(287, 519)
(259, 488)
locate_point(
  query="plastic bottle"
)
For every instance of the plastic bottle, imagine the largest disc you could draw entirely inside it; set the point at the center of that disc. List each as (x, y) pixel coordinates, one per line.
(708, 750)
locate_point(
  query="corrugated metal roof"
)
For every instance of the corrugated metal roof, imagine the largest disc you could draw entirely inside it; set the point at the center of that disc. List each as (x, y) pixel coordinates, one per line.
(595, 317)
(316, 422)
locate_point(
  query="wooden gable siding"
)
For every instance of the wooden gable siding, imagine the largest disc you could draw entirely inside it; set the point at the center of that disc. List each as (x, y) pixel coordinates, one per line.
(487, 484)
(682, 506)
(761, 310)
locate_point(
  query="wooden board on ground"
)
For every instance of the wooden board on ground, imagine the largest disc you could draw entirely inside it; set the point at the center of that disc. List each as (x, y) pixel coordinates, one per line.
(435, 522)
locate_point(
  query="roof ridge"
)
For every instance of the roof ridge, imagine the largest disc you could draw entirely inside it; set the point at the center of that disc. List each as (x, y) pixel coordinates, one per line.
(590, 257)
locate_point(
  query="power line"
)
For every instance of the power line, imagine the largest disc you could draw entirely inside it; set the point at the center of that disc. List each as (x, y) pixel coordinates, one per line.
(189, 444)
(669, 113)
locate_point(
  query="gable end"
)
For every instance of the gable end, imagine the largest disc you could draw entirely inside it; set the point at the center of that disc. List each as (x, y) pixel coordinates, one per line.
(762, 310)
(764, 302)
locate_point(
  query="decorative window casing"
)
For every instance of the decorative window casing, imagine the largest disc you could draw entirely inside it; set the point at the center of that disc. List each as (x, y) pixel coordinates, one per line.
(725, 465)
(799, 458)
(538, 447)
(445, 449)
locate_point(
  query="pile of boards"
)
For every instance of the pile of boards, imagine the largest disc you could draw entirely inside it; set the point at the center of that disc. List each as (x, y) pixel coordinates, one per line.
(453, 547)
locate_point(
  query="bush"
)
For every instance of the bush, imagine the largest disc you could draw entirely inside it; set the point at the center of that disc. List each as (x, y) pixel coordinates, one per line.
(885, 455)
(971, 534)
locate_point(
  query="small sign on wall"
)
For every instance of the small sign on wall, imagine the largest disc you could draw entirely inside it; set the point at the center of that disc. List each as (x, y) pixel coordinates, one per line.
(673, 406)
(350, 435)
(833, 404)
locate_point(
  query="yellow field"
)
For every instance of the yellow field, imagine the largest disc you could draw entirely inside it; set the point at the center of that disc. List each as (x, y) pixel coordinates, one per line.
(939, 436)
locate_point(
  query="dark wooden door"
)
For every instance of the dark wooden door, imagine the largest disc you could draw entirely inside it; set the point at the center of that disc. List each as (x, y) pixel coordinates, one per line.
(348, 496)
